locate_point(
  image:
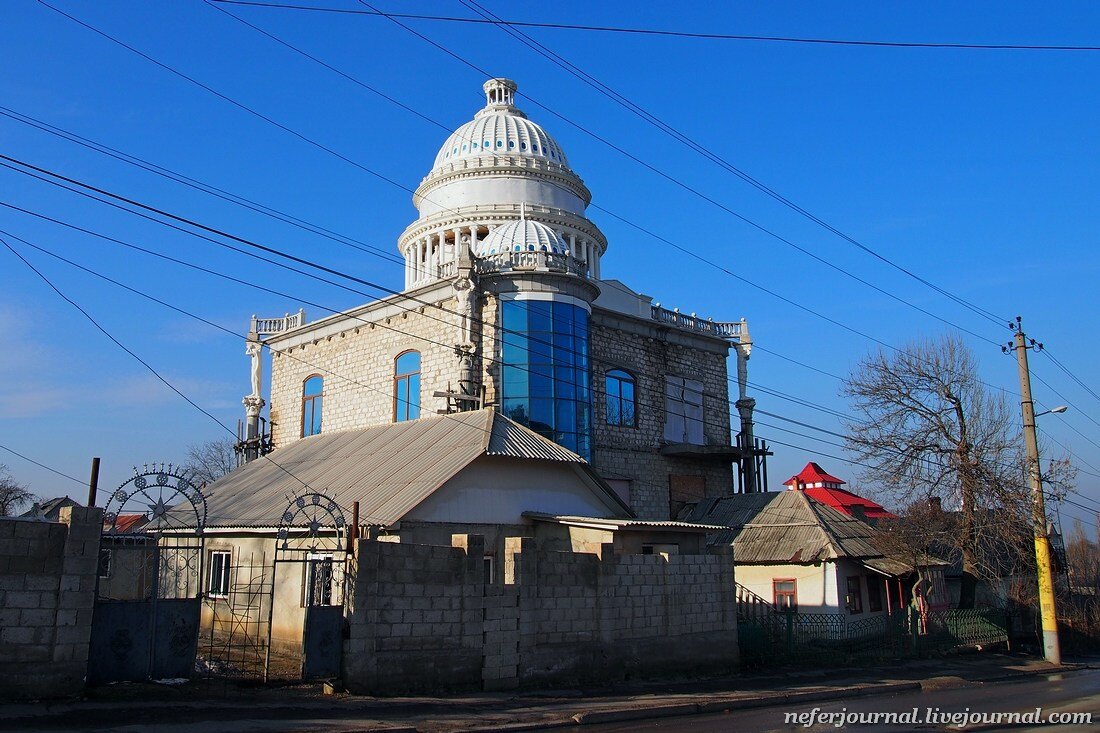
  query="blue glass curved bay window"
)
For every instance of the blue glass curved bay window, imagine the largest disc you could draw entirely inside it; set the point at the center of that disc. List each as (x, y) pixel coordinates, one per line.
(545, 378)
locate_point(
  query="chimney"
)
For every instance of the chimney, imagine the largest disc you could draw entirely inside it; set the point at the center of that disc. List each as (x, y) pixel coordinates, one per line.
(935, 504)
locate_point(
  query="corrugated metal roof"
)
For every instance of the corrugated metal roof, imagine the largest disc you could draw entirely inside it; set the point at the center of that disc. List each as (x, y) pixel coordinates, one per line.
(621, 523)
(782, 527)
(511, 439)
(388, 469)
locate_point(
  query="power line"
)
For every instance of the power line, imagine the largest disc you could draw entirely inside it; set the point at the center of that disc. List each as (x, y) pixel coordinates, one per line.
(1070, 373)
(288, 354)
(198, 185)
(709, 154)
(240, 239)
(42, 465)
(387, 179)
(681, 184)
(700, 35)
(137, 358)
(866, 336)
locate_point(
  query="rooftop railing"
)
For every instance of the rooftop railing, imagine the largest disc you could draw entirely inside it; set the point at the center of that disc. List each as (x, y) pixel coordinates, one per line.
(272, 326)
(730, 330)
(532, 261)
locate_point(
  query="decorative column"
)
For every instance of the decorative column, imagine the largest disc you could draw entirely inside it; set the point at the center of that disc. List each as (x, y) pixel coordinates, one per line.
(253, 402)
(573, 244)
(745, 406)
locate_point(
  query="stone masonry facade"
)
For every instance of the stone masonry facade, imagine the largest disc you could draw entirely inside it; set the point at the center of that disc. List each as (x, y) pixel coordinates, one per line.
(649, 352)
(47, 596)
(421, 617)
(356, 355)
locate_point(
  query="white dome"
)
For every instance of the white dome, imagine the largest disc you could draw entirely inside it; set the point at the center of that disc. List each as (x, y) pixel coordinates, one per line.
(524, 235)
(500, 129)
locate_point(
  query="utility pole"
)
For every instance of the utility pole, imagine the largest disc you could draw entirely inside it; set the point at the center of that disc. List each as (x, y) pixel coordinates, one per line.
(1051, 649)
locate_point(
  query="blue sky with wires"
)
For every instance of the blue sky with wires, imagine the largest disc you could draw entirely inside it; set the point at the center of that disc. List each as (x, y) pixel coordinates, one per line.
(974, 169)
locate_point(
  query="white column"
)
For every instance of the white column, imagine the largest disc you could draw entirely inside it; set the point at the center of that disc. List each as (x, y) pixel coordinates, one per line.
(573, 244)
(408, 266)
(473, 238)
(596, 260)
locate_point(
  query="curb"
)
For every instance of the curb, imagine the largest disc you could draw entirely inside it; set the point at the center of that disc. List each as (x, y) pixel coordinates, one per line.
(722, 704)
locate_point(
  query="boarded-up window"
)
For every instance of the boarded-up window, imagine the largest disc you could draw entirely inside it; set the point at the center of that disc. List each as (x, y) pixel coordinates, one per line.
(683, 411)
(684, 489)
(621, 487)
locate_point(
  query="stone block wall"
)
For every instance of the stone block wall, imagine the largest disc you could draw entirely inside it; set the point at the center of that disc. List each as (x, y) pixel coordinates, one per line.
(47, 594)
(357, 364)
(422, 619)
(650, 352)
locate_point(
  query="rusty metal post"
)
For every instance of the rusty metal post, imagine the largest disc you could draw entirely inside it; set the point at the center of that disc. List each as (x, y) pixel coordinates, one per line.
(93, 482)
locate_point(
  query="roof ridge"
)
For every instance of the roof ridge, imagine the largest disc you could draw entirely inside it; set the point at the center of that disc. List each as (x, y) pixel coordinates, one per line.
(831, 539)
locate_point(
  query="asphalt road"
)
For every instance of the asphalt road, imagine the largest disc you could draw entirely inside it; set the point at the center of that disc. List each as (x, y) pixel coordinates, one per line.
(1077, 692)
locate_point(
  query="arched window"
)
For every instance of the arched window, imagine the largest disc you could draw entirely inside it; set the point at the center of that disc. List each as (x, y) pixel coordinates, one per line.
(406, 386)
(312, 394)
(619, 388)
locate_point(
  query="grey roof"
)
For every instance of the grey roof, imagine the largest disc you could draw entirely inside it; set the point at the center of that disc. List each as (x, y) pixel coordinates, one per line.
(388, 469)
(619, 523)
(784, 527)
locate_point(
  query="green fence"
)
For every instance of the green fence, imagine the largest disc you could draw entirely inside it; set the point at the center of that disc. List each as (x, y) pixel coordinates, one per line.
(832, 638)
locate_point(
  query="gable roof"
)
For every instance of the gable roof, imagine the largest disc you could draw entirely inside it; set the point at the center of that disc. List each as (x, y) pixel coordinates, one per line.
(813, 474)
(388, 469)
(783, 527)
(50, 507)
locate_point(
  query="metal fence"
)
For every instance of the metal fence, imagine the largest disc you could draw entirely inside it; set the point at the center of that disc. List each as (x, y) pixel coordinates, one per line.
(832, 638)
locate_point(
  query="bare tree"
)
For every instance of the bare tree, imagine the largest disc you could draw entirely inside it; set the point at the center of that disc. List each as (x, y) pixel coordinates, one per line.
(917, 536)
(927, 428)
(13, 495)
(207, 462)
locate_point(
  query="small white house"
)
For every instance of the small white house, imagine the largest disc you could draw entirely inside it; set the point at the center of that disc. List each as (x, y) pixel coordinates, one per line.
(793, 552)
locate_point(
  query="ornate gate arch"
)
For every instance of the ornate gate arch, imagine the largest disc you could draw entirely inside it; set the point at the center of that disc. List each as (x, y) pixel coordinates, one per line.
(313, 535)
(148, 600)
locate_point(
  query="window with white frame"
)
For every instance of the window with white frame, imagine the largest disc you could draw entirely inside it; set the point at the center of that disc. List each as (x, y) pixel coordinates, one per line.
(217, 579)
(684, 411)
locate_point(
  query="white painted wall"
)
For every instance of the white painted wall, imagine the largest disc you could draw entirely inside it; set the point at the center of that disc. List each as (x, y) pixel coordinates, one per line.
(502, 189)
(494, 490)
(821, 588)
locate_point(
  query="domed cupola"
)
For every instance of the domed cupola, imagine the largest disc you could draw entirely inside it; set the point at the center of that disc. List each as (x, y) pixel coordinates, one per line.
(500, 128)
(499, 182)
(524, 235)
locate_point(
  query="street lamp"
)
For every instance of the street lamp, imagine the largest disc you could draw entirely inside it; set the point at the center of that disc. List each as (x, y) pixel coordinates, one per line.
(1054, 410)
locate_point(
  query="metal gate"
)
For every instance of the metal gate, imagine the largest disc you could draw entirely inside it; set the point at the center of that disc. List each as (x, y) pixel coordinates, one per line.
(312, 544)
(145, 621)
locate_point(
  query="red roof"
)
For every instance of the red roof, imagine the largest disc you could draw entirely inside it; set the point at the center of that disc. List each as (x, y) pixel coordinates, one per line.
(830, 493)
(846, 502)
(128, 523)
(812, 474)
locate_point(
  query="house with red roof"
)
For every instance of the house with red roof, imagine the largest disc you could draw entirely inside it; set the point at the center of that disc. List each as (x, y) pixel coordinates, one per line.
(823, 487)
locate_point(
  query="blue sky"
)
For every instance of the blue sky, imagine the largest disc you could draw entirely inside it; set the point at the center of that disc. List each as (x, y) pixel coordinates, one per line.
(976, 169)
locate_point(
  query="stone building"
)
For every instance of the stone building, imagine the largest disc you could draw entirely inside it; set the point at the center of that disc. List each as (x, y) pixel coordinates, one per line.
(504, 304)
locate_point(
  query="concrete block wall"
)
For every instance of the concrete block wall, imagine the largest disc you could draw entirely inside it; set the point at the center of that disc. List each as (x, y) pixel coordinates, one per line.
(47, 594)
(422, 619)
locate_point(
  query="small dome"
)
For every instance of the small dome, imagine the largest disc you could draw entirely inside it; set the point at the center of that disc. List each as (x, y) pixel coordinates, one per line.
(524, 235)
(500, 129)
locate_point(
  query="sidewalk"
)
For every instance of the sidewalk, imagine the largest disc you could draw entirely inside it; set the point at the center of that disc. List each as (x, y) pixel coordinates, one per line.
(213, 704)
